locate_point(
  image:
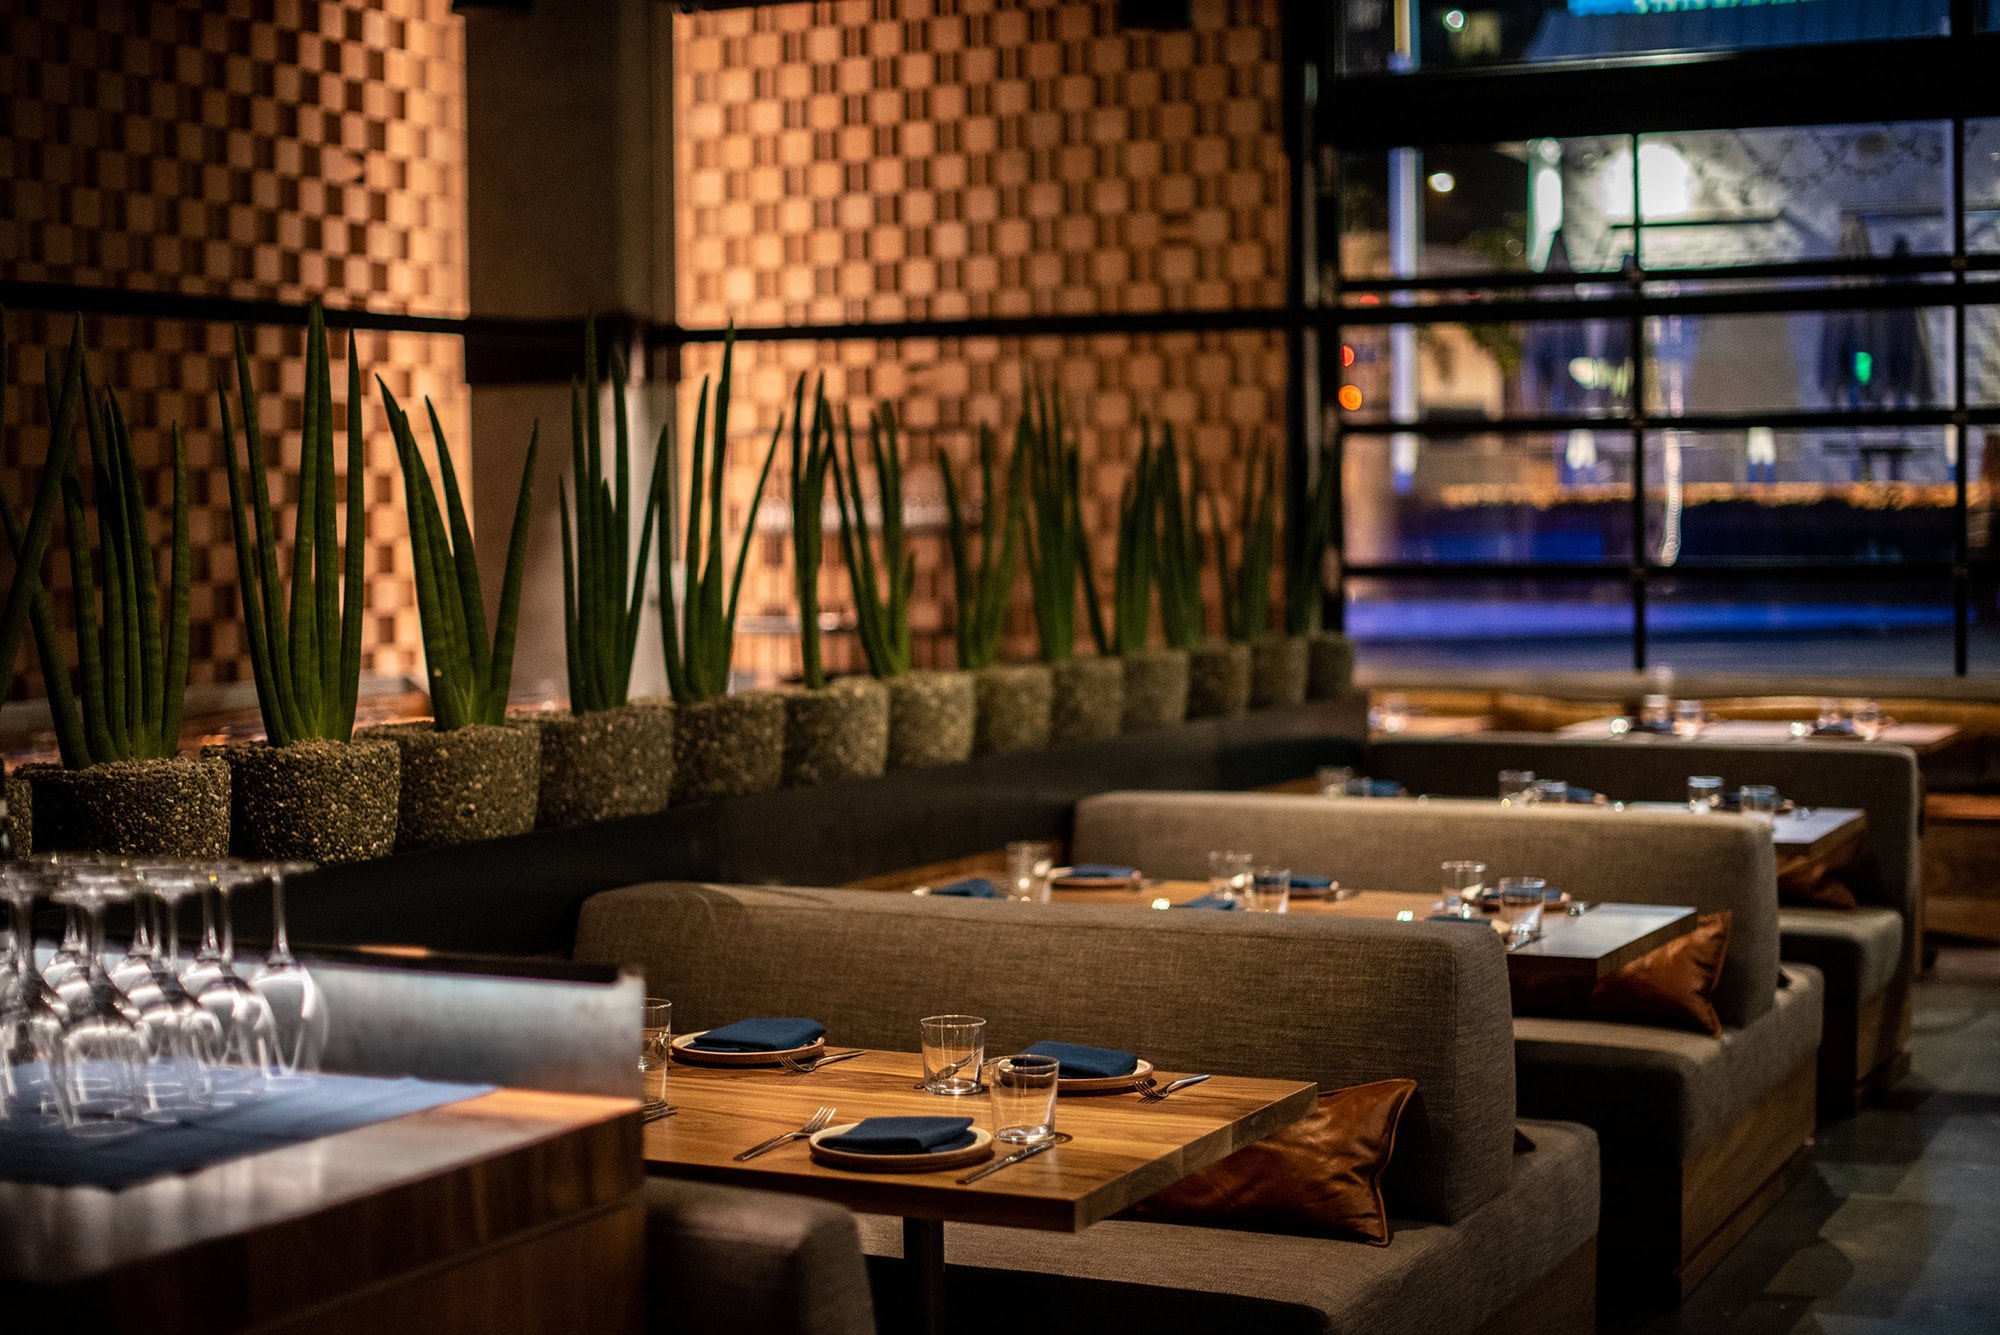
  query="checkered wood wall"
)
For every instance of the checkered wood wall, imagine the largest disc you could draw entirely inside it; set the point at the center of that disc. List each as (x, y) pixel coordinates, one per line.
(913, 159)
(277, 149)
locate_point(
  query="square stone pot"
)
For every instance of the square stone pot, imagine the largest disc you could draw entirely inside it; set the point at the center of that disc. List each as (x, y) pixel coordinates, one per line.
(1329, 665)
(315, 801)
(458, 787)
(177, 808)
(1014, 704)
(932, 718)
(1156, 689)
(1218, 680)
(1278, 671)
(840, 731)
(20, 815)
(730, 746)
(1089, 700)
(604, 764)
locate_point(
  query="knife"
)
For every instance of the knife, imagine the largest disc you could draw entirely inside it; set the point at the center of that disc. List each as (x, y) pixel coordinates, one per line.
(1017, 1156)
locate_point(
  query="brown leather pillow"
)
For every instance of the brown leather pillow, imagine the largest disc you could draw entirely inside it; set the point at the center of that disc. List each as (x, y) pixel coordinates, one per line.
(1321, 1176)
(1809, 882)
(1673, 986)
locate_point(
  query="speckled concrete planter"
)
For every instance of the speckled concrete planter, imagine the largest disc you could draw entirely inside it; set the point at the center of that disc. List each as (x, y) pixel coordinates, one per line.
(1278, 671)
(604, 764)
(932, 718)
(1156, 689)
(1329, 665)
(1014, 705)
(840, 731)
(464, 785)
(730, 746)
(20, 815)
(166, 808)
(1218, 680)
(318, 801)
(1089, 700)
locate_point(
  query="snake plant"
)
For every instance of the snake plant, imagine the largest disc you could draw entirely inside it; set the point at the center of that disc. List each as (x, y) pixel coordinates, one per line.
(1056, 554)
(1182, 615)
(881, 620)
(983, 580)
(307, 661)
(812, 457)
(469, 677)
(699, 627)
(1246, 588)
(604, 590)
(1138, 553)
(1308, 533)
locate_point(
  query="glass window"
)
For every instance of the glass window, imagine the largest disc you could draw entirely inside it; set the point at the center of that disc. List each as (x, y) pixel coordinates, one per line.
(1843, 359)
(1982, 185)
(1818, 627)
(1478, 372)
(1577, 625)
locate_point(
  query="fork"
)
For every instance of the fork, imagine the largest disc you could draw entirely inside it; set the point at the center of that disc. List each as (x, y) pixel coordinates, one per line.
(820, 1121)
(1152, 1091)
(794, 1066)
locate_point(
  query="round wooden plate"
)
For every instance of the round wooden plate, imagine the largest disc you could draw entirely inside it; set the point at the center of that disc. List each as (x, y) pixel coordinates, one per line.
(980, 1150)
(701, 1057)
(1106, 1084)
(1059, 881)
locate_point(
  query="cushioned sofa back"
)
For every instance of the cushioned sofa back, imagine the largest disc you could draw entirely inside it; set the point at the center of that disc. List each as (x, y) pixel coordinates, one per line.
(1335, 1002)
(1881, 780)
(1723, 862)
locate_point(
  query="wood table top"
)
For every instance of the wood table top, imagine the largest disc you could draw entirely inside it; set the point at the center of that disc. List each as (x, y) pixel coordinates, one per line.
(1124, 1149)
(298, 1225)
(1919, 737)
(1808, 830)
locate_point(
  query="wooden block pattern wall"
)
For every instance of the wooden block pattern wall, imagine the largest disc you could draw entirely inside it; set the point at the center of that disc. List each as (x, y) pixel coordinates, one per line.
(913, 159)
(279, 149)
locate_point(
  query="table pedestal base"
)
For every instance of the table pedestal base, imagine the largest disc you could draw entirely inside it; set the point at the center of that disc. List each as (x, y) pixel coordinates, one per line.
(923, 1262)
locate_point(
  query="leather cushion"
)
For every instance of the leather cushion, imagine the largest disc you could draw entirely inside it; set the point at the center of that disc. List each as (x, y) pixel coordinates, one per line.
(1672, 987)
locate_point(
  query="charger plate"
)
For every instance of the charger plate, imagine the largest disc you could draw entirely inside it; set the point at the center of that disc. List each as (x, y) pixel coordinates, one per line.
(980, 1150)
(1106, 1084)
(694, 1056)
(1059, 879)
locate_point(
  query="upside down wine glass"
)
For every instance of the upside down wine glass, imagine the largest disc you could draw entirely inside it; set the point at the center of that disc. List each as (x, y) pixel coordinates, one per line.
(101, 1050)
(31, 1014)
(296, 1004)
(184, 1041)
(248, 1037)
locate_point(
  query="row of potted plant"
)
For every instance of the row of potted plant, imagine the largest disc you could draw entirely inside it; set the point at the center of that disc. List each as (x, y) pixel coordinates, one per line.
(319, 788)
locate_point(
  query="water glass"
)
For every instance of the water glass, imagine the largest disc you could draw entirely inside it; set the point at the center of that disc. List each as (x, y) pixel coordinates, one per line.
(1759, 801)
(954, 1049)
(1332, 780)
(1270, 890)
(1521, 905)
(1514, 785)
(1687, 718)
(1655, 712)
(1023, 1094)
(1831, 717)
(1868, 720)
(1704, 792)
(655, 1050)
(1463, 884)
(1229, 873)
(1029, 865)
(1393, 713)
(1553, 792)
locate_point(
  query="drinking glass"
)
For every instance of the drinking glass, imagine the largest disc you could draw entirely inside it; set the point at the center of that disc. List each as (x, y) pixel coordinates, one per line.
(1463, 883)
(1514, 785)
(183, 1041)
(1228, 873)
(1655, 712)
(101, 1050)
(1029, 865)
(1759, 801)
(31, 1014)
(1332, 780)
(1521, 905)
(954, 1048)
(290, 993)
(1687, 718)
(1704, 792)
(1393, 713)
(656, 1051)
(1270, 890)
(1868, 720)
(1553, 792)
(249, 1037)
(1023, 1094)
(1831, 717)
(134, 975)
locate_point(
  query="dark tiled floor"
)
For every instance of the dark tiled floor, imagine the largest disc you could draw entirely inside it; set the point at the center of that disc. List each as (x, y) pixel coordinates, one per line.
(1896, 1231)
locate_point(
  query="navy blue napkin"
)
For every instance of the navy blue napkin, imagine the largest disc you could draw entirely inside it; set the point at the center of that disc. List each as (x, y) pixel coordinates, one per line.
(1079, 1062)
(762, 1035)
(1384, 788)
(1453, 917)
(1665, 727)
(904, 1135)
(1312, 883)
(972, 887)
(1577, 794)
(1210, 902)
(1100, 871)
(1842, 729)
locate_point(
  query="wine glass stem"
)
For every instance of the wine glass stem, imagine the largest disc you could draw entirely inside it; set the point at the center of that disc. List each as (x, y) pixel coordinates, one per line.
(93, 937)
(211, 944)
(228, 929)
(281, 944)
(170, 906)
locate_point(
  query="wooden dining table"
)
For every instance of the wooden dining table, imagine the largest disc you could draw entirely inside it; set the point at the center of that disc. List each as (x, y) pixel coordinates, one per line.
(1121, 1149)
(1923, 738)
(513, 1211)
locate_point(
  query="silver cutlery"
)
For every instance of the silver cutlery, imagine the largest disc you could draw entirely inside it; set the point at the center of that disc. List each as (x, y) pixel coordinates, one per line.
(820, 1121)
(1027, 1152)
(1152, 1091)
(796, 1066)
(653, 1112)
(947, 1072)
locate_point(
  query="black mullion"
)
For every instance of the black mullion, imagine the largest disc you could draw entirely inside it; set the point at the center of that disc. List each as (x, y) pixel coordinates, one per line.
(1961, 591)
(1458, 427)
(1635, 404)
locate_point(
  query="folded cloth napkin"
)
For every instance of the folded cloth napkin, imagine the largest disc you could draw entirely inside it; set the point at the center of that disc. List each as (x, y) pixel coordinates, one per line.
(904, 1135)
(972, 887)
(1662, 727)
(761, 1035)
(1550, 895)
(1079, 1062)
(1481, 919)
(1210, 902)
(1312, 883)
(1100, 871)
(1577, 794)
(1834, 730)
(1384, 788)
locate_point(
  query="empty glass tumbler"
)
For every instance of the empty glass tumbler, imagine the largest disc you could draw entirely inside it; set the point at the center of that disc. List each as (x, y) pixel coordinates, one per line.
(1704, 792)
(1463, 883)
(1023, 1094)
(1229, 873)
(1515, 784)
(1759, 801)
(1270, 890)
(1030, 863)
(655, 1050)
(1521, 905)
(954, 1047)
